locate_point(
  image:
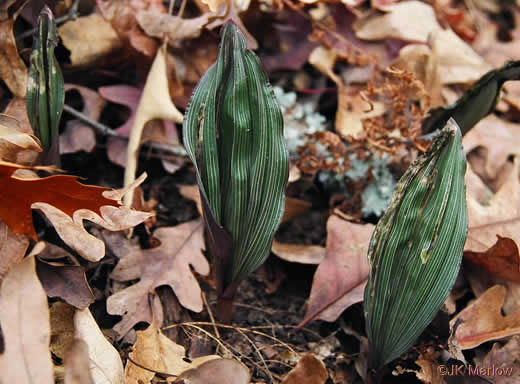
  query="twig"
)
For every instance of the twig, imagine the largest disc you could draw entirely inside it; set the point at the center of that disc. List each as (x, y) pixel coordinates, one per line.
(191, 323)
(149, 369)
(210, 312)
(171, 149)
(72, 14)
(230, 348)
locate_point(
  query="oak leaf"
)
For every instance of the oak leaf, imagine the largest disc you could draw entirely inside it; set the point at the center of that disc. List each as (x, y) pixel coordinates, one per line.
(60, 191)
(168, 264)
(501, 216)
(483, 321)
(66, 203)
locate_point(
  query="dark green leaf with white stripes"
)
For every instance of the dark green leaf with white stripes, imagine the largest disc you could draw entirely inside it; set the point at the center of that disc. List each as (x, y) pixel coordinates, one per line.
(416, 248)
(233, 132)
(45, 88)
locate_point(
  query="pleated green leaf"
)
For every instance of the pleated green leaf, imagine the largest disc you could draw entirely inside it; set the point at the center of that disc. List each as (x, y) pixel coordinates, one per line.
(476, 103)
(45, 88)
(416, 248)
(233, 132)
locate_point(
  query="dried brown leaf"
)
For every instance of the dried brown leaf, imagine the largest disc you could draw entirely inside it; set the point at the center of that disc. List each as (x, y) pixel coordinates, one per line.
(498, 137)
(168, 264)
(298, 253)
(457, 62)
(104, 360)
(68, 282)
(502, 259)
(340, 279)
(155, 103)
(12, 68)
(89, 39)
(158, 353)
(409, 20)
(309, 370)
(62, 328)
(175, 28)
(352, 110)
(215, 372)
(122, 15)
(483, 321)
(17, 109)
(13, 140)
(24, 318)
(78, 136)
(504, 357)
(12, 249)
(501, 216)
(77, 364)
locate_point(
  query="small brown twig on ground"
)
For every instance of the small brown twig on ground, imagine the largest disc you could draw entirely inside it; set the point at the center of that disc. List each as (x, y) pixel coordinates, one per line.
(170, 149)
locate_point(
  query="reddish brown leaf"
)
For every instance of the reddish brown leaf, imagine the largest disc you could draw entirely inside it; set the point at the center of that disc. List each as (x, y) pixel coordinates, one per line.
(62, 192)
(295, 207)
(340, 279)
(502, 259)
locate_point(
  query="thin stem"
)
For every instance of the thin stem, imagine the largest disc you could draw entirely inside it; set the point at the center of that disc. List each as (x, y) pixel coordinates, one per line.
(171, 149)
